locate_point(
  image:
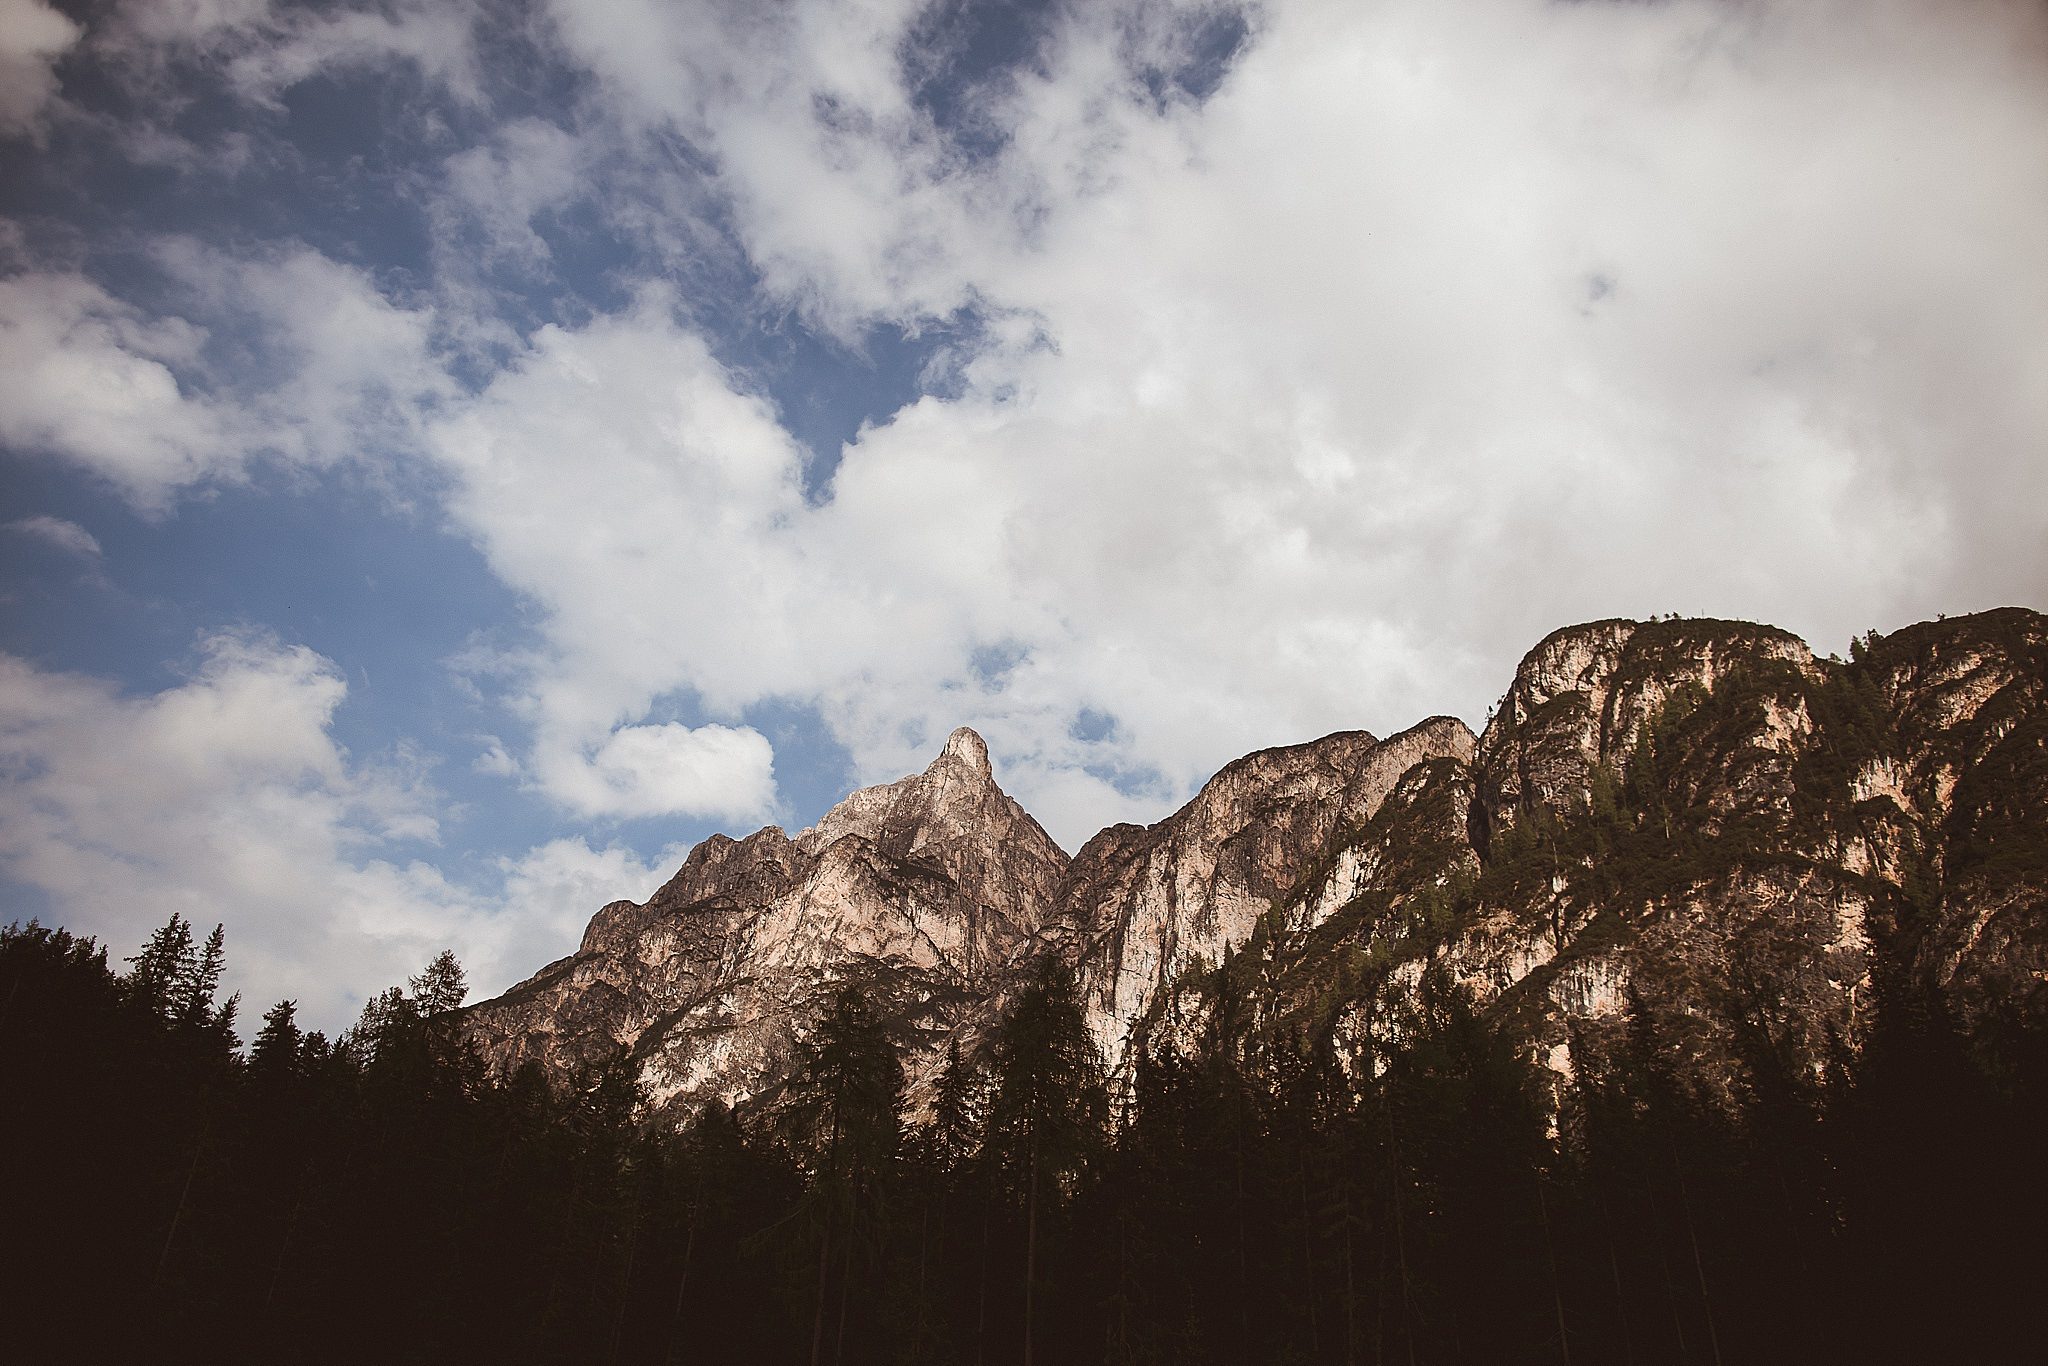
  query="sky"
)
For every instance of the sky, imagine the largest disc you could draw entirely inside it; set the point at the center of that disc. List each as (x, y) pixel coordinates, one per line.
(457, 454)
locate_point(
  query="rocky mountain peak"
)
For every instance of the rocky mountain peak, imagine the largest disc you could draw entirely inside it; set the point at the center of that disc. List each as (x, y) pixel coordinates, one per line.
(1583, 698)
(1191, 888)
(967, 749)
(938, 876)
(953, 799)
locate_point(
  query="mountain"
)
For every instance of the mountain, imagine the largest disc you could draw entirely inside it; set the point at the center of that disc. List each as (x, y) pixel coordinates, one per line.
(1696, 822)
(929, 888)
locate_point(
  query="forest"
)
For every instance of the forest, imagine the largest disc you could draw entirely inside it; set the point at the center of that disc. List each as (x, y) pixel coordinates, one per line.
(381, 1196)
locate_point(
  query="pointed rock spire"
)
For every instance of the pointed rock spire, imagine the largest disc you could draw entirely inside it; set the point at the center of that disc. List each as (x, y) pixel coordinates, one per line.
(966, 747)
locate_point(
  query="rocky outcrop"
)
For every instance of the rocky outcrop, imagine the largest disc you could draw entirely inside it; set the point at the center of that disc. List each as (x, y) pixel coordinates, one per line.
(1193, 887)
(1699, 820)
(926, 887)
(1582, 699)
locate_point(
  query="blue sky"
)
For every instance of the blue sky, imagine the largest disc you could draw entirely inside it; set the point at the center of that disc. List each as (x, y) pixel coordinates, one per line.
(456, 455)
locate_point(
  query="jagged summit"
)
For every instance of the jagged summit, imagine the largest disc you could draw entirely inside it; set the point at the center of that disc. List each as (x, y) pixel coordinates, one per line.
(939, 874)
(957, 790)
(967, 748)
(1193, 887)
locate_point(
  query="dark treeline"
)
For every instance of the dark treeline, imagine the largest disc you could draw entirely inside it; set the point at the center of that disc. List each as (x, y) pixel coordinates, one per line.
(380, 1197)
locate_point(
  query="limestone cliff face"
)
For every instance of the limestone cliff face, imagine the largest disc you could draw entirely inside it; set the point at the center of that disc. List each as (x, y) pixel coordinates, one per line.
(1949, 801)
(926, 886)
(1194, 886)
(1583, 697)
(1701, 821)
(1695, 819)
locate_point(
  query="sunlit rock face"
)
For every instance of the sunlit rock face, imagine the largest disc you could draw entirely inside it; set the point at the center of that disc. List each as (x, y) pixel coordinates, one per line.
(925, 888)
(1192, 888)
(1698, 821)
(1582, 698)
(1702, 822)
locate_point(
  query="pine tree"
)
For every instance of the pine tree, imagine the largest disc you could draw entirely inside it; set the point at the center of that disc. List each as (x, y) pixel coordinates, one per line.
(385, 1018)
(276, 1049)
(1046, 1118)
(198, 979)
(442, 987)
(852, 1105)
(165, 964)
(955, 1111)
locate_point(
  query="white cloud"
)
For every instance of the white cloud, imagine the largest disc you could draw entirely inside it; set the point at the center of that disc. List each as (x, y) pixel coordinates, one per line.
(225, 798)
(222, 799)
(495, 761)
(847, 198)
(552, 890)
(33, 37)
(529, 167)
(66, 535)
(330, 368)
(618, 478)
(192, 21)
(261, 49)
(90, 378)
(654, 770)
(285, 356)
(1439, 325)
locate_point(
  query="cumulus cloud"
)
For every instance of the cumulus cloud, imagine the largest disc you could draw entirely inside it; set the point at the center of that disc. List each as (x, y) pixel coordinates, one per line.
(225, 798)
(33, 37)
(618, 478)
(655, 770)
(847, 197)
(1308, 405)
(88, 377)
(222, 799)
(553, 888)
(68, 536)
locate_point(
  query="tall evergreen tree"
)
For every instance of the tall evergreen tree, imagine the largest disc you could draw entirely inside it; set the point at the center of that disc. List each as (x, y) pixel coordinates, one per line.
(853, 1103)
(1047, 1115)
(199, 978)
(275, 1051)
(441, 987)
(165, 964)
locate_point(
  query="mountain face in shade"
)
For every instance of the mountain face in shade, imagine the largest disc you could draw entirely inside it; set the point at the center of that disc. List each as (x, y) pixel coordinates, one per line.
(1700, 821)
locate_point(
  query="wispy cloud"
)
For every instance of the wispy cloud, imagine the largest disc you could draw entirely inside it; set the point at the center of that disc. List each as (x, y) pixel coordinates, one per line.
(67, 536)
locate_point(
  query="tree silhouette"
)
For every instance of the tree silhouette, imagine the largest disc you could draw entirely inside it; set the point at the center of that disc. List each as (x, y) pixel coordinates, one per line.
(1046, 1116)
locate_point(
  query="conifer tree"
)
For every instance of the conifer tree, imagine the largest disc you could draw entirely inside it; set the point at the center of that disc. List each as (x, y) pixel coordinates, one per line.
(855, 1103)
(199, 978)
(165, 963)
(275, 1051)
(1047, 1115)
(441, 987)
